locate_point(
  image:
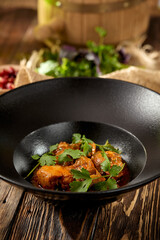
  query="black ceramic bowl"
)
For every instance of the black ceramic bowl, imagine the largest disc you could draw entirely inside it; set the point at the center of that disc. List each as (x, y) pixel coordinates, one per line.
(126, 114)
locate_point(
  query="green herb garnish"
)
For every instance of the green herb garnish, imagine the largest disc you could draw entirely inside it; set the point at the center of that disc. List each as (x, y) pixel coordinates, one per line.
(47, 159)
(53, 148)
(86, 181)
(94, 60)
(76, 137)
(109, 184)
(108, 147)
(74, 154)
(85, 146)
(80, 186)
(82, 180)
(105, 165)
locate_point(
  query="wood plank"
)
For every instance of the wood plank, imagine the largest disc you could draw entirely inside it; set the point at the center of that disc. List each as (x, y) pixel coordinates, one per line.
(136, 216)
(38, 219)
(19, 4)
(10, 198)
(13, 43)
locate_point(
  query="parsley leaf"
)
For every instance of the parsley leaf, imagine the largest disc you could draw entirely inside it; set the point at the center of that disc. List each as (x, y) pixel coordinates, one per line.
(69, 152)
(102, 32)
(36, 157)
(80, 174)
(101, 186)
(47, 159)
(76, 137)
(80, 186)
(53, 148)
(86, 139)
(85, 146)
(115, 170)
(105, 165)
(108, 147)
(111, 183)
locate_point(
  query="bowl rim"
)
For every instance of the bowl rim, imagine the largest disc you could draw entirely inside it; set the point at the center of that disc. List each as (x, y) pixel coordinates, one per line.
(114, 192)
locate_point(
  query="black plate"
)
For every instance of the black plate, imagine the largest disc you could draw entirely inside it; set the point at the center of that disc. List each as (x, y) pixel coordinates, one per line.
(128, 106)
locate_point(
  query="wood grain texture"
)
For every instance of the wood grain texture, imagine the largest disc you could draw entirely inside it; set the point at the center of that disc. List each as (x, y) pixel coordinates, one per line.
(18, 4)
(45, 221)
(135, 216)
(9, 200)
(17, 38)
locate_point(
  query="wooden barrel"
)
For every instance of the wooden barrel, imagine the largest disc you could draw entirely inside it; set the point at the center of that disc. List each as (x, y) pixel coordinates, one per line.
(74, 21)
(154, 7)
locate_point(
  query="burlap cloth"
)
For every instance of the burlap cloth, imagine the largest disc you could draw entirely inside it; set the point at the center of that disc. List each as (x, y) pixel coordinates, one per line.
(147, 78)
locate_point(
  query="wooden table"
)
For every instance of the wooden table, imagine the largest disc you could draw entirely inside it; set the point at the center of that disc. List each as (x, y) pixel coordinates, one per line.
(23, 216)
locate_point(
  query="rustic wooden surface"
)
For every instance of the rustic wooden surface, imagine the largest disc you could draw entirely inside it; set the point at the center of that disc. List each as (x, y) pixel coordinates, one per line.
(23, 216)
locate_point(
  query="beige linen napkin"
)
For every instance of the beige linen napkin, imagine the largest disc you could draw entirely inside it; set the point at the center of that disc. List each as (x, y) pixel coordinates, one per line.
(147, 78)
(144, 77)
(25, 76)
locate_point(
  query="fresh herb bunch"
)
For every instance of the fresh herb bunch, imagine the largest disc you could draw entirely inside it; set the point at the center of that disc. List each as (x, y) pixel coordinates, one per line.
(93, 61)
(82, 179)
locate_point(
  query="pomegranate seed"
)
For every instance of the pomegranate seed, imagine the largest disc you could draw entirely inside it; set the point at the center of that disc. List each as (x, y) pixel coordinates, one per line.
(3, 80)
(11, 79)
(11, 70)
(7, 78)
(9, 86)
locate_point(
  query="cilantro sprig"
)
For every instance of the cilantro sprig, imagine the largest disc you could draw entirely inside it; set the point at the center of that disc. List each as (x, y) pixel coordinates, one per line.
(76, 137)
(45, 159)
(50, 160)
(108, 147)
(80, 186)
(65, 156)
(85, 180)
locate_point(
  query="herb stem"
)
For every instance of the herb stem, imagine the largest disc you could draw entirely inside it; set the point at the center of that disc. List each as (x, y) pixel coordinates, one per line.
(32, 171)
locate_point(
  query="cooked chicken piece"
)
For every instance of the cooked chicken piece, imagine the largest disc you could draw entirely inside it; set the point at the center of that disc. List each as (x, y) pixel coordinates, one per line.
(93, 148)
(93, 145)
(84, 162)
(50, 177)
(63, 145)
(115, 159)
(98, 178)
(97, 160)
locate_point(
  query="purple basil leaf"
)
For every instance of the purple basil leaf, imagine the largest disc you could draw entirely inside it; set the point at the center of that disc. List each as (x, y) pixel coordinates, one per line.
(124, 57)
(68, 52)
